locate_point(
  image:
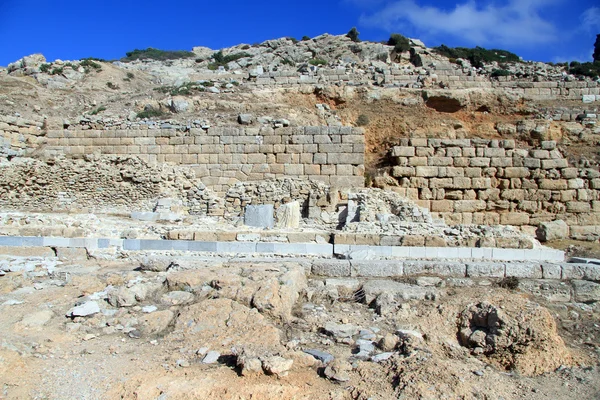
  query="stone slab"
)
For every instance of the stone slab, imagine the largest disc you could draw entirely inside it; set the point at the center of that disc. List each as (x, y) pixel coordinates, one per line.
(485, 270)
(334, 268)
(377, 268)
(440, 268)
(524, 270)
(259, 216)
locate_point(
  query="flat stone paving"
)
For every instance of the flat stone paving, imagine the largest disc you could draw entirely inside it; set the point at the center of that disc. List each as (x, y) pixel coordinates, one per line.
(346, 251)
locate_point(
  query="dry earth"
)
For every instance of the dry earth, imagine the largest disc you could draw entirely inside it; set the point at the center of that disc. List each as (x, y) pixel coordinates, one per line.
(248, 313)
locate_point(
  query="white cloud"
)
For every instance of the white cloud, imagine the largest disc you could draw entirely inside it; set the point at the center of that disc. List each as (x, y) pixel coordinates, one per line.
(517, 23)
(591, 19)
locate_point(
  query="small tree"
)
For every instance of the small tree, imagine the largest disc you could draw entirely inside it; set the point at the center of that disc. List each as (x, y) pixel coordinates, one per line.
(400, 43)
(596, 55)
(353, 35)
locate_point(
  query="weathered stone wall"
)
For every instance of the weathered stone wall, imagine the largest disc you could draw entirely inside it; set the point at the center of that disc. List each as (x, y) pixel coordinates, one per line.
(441, 75)
(222, 156)
(492, 182)
(17, 135)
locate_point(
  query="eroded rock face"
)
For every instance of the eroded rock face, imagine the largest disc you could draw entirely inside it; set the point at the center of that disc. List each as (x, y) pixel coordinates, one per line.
(223, 323)
(525, 340)
(272, 290)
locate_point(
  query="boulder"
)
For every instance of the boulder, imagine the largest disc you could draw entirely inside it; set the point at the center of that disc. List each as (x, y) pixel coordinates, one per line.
(554, 230)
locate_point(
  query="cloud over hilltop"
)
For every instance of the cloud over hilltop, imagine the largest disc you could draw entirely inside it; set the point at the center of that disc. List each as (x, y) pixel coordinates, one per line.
(514, 23)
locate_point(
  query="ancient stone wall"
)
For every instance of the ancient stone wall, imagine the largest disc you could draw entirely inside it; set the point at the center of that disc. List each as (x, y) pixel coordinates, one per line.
(17, 135)
(492, 182)
(222, 156)
(441, 75)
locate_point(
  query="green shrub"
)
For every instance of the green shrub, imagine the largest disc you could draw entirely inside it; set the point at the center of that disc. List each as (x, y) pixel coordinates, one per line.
(156, 54)
(362, 120)
(89, 63)
(500, 72)
(353, 34)
(151, 113)
(112, 86)
(306, 38)
(130, 75)
(478, 56)
(588, 69)
(57, 71)
(97, 110)
(184, 90)
(287, 61)
(45, 68)
(400, 43)
(317, 61)
(293, 39)
(221, 60)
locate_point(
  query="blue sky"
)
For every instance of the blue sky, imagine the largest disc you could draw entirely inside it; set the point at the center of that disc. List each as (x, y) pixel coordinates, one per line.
(541, 30)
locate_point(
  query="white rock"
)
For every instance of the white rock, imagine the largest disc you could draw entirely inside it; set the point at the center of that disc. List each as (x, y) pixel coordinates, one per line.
(84, 310)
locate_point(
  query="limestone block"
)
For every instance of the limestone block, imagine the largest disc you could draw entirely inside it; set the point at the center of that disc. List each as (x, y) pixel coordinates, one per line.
(461, 183)
(494, 152)
(479, 162)
(540, 154)
(337, 268)
(485, 269)
(403, 151)
(553, 230)
(516, 219)
(260, 216)
(288, 215)
(413, 240)
(440, 161)
(555, 163)
(437, 183)
(390, 241)
(576, 183)
(469, 206)
(378, 268)
(422, 161)
(578, 207)
(481, 183)
(516, 172)
(439, 268)
(585, 291)
(501, 162)
(524, 270)
(532, 163)
(403, 171)
(426, 172)
(553, 184)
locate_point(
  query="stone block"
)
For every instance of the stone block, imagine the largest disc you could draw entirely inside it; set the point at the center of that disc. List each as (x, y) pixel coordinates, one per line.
(378, 268)
(555, 163)
(236, 247)
(578, 207)
(469, 206)
(479, 162)
(403, 151)
(259, 216)
(485, 270)
(333, 268)
(516, 219)
(585, 291)
(516, 172)
(553, 184)
(413, 240)
(551, 271)
(440, 161)
(426, 172)
(524, 270)
(439, 268)
(581, 271)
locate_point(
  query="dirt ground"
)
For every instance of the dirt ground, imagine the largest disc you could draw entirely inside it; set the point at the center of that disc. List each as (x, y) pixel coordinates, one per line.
(123, 352)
